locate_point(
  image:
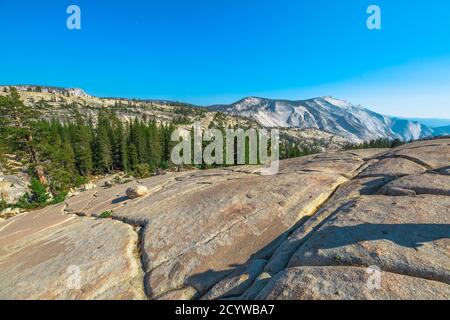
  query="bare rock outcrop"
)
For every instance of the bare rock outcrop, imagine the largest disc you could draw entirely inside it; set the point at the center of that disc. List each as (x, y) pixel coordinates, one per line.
(429, 183)
(305, 233)
(336, 283)
(392, 167)
(50, 255)
(395, 218)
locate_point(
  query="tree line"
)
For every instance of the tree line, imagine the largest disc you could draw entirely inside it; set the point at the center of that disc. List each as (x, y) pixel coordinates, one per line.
(61, 155)
(375, 144)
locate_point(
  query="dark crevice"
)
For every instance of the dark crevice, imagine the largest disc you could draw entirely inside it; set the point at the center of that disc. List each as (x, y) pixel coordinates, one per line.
(137, 227)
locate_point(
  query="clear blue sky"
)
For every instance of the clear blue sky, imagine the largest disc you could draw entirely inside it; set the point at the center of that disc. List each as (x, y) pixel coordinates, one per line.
(218, 51)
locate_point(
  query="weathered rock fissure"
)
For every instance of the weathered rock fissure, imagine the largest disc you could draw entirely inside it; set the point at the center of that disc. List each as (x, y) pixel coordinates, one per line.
(137, 252)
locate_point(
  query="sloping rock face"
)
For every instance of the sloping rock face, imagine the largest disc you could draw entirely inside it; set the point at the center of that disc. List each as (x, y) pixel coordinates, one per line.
(335, 283)
(309, 232)
(394, 216)
(51, 255)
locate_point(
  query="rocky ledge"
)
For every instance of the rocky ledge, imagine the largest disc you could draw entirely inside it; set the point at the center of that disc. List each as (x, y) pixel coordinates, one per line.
(309, 232)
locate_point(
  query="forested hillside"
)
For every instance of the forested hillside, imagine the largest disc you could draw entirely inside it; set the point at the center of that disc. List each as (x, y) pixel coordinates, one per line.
(59, 154)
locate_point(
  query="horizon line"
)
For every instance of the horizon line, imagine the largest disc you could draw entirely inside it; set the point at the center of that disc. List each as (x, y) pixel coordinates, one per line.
(211, 105)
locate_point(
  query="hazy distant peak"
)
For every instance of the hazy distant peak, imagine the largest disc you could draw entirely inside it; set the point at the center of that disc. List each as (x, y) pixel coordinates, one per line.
(328, 114)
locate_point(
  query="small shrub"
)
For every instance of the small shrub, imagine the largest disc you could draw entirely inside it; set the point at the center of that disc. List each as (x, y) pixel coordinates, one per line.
(59, 198)
(142, 171)
(80, 180)
(106, 215)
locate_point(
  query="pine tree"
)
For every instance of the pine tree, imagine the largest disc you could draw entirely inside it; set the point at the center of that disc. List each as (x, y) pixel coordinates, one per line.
(154, 145)
(81, 142)
(122, 147)
(102, 145)
(166, 141)
(138, 137)
(133, 156)
(19, 122)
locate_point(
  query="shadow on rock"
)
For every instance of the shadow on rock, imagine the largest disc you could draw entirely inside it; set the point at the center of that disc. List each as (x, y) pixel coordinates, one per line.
(406, 235)
(120, 200)
(233, 281)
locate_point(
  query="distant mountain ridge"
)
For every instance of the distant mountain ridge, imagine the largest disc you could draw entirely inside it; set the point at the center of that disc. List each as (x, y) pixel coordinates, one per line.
(327, 114)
